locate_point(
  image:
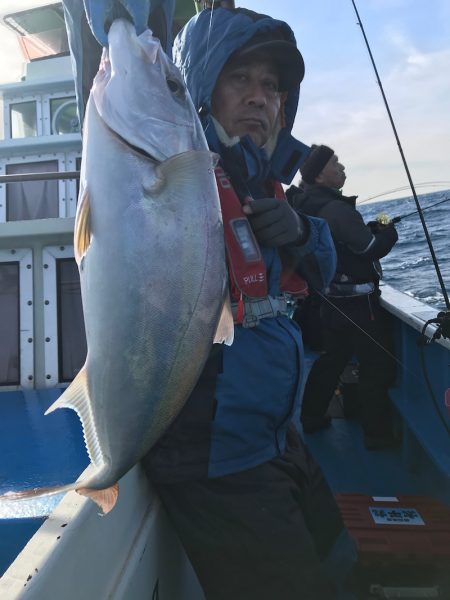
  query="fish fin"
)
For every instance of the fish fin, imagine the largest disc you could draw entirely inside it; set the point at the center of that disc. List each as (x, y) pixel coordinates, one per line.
(225, 328)
(106, 499)
(76, 397)
(183, 168)
(82, 233)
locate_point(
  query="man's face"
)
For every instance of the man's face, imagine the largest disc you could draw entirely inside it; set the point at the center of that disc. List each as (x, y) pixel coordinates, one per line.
(246, 100)
(333, 174)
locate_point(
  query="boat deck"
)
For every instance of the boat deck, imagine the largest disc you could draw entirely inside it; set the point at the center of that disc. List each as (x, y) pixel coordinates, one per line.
(350, 468)
(38, 450)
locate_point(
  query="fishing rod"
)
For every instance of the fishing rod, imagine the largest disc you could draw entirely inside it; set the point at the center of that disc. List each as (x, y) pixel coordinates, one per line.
(446, 317)
(414, 212)
(442, 320)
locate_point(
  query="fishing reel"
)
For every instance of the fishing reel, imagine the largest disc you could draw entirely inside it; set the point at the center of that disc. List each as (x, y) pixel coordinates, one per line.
(442, 321)
(443, 329)
(383, 219)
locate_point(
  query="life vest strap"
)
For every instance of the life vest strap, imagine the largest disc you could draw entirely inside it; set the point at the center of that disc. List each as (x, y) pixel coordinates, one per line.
(262, 308)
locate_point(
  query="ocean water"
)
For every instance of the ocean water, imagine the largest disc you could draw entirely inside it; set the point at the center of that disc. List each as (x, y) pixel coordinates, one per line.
(409, 266)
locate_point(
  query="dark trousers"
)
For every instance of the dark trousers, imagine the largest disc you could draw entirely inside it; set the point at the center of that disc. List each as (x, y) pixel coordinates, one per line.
(261, 534)
(355, 327)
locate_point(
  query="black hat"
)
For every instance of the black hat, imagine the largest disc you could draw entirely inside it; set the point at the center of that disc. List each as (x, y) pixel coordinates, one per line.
(284, 53)
(316, 161)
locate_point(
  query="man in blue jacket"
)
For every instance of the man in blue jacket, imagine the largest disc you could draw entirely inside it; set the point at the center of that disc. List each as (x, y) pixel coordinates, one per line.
(249, 504)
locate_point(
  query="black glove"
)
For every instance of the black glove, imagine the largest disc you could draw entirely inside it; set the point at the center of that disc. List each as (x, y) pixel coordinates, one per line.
(374, 226)
(377, 227)
(275, 223)
(388, 232)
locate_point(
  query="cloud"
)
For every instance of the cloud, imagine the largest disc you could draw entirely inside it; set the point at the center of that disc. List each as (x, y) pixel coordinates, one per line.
(345, 110)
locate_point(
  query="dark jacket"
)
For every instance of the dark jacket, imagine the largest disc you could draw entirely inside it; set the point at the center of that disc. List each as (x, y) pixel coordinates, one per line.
(238, 414)
(359, 246)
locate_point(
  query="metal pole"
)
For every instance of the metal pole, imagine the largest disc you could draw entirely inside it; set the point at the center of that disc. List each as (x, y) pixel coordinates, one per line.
(39, 176)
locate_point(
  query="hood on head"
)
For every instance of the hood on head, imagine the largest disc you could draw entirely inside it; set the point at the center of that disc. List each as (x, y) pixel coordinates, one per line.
(201, 50)
(209, 39)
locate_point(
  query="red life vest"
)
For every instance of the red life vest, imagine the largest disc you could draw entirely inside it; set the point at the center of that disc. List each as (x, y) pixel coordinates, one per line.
(246, 267)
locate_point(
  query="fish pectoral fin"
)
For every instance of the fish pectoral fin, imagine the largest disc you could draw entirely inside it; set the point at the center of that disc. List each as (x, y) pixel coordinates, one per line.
(82, 232)
(182, 170)
(106, 499)
(225, 328)
(76, 397)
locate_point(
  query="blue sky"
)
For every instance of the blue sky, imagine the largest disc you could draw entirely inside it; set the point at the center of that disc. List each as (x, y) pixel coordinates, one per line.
(340, 103)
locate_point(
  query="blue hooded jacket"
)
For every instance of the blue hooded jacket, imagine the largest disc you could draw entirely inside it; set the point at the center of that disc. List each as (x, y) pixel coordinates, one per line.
(238, 414)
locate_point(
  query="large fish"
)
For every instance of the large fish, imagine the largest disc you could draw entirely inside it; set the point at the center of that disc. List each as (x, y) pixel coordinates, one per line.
(150, 250)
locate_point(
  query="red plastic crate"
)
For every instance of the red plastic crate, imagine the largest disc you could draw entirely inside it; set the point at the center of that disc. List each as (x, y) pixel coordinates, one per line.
(406, 529)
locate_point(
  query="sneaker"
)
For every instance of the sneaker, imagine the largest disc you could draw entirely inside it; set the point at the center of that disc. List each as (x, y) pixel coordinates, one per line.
(313, 424)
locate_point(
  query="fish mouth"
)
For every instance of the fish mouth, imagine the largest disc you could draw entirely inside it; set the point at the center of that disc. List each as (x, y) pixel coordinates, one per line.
(136, 149)
(140, 151)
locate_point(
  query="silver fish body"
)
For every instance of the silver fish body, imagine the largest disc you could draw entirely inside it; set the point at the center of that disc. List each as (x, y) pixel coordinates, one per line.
(150, 249)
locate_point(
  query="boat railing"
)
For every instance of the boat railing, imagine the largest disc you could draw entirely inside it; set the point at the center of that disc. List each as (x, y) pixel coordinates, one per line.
(19, 177)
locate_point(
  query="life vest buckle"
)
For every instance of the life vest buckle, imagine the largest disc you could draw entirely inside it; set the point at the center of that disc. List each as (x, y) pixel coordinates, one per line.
(262, 308)
(250, 321)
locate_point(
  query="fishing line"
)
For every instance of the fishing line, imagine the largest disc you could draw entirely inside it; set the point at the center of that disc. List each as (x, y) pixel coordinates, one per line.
(385, 350)
(211, 5)
(406, 187)
(399, 362)
(405, 164)
(205, 62)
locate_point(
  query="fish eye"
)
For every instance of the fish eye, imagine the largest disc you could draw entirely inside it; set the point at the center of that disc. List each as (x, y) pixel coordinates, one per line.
(175, 86)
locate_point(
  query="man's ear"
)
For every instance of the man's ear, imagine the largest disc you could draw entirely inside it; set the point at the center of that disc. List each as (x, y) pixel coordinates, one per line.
(319, 178)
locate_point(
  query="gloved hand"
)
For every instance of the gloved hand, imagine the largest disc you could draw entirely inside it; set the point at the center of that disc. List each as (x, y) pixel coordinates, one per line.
(275, 223)
(374, 226)
(388, 232)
